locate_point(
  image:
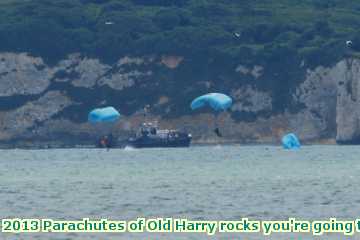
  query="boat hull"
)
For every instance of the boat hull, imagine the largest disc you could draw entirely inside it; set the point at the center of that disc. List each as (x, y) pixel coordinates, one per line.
(148, 142)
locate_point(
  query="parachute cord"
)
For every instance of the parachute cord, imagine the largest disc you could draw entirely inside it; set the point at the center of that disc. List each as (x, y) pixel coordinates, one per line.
(216, 120)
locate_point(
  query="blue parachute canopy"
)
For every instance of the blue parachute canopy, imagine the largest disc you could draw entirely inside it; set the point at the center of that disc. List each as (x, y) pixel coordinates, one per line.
(107, 114)
(217, 101)
(291, 141)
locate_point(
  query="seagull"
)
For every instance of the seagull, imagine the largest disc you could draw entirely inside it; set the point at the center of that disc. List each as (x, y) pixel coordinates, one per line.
(109, 23)
(237, 34)
(349, 43)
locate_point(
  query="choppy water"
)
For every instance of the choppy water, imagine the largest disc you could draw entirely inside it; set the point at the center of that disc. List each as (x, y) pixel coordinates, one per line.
(215, 183)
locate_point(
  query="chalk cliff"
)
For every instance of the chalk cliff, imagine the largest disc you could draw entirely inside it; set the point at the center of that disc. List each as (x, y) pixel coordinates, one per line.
(42, 102)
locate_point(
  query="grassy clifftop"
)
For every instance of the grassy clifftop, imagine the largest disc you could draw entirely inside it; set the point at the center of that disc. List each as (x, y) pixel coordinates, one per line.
(314, 30)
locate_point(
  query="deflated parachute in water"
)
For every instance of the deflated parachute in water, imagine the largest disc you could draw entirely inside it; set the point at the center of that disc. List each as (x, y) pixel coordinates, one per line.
(217, 101)
(107, 114)
(291, 141)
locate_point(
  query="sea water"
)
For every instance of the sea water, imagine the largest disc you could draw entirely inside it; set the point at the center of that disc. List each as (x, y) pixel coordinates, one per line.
(196, 183)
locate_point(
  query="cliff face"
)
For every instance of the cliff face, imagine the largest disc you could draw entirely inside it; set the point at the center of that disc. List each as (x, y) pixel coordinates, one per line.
(50, 102)
(348, 102)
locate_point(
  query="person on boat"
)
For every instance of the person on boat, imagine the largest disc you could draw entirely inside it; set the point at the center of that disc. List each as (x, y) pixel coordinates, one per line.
(153, 130)
(144, 132)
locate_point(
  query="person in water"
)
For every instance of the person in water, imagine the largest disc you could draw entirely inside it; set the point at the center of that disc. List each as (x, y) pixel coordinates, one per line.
(103, 142)
(106, 141)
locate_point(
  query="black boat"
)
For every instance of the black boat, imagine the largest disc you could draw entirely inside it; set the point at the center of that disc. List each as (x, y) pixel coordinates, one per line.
(149, 136)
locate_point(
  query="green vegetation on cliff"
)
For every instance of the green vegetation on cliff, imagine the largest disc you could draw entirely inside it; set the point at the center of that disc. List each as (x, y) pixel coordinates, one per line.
(244, 30)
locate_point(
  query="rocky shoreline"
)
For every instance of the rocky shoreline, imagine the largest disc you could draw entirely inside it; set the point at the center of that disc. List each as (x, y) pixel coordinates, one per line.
(52, 144)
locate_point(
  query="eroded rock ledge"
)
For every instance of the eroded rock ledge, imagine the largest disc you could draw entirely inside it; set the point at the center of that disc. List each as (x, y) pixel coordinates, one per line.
(55, 99)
